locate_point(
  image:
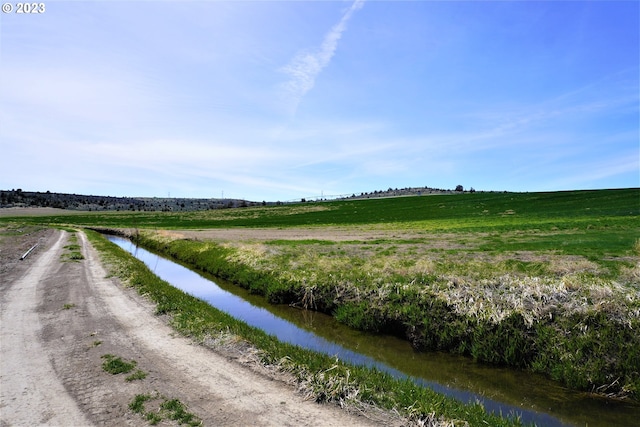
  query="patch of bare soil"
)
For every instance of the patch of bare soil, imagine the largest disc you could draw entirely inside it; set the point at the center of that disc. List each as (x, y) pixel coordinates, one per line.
(37, 211)
(16, 241)
(334, 234)
(58, 320)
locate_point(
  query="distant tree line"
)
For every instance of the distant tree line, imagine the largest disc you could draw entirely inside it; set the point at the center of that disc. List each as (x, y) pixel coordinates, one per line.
(20, 198)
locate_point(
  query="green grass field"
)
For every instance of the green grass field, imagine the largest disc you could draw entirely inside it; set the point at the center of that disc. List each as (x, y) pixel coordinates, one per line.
(597, 224)
(467, 211)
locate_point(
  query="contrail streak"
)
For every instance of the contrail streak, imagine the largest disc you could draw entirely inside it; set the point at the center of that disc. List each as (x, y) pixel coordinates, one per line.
(305, 67)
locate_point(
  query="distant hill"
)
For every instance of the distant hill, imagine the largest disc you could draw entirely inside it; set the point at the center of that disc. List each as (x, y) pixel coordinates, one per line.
(19, 198)
(409, 191)
(79, 202)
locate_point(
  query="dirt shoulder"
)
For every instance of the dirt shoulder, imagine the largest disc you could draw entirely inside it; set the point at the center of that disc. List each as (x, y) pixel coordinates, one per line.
(59, 318)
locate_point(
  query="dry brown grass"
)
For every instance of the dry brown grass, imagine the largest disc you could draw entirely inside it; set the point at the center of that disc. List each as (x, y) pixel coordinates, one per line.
(478, 284)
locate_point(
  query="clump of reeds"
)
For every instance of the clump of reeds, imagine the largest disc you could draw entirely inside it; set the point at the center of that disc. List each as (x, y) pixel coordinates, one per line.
(537, 298)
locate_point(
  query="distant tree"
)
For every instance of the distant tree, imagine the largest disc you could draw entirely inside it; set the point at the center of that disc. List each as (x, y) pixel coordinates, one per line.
(472, 190)
(459, 188)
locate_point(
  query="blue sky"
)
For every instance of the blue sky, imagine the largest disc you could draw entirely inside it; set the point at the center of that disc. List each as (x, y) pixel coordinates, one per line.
(279, 100)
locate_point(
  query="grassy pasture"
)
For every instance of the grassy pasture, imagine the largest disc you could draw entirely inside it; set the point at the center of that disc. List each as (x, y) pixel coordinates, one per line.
(599, 225)
(468, 211)
(543, 281)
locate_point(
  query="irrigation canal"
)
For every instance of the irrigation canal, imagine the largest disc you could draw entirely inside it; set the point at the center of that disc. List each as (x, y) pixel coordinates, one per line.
(502, 390)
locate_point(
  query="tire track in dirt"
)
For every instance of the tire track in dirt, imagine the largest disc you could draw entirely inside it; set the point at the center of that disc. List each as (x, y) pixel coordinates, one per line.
(31, 393)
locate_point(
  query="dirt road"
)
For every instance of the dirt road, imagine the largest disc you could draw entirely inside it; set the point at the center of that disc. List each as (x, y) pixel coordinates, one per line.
(60, 317)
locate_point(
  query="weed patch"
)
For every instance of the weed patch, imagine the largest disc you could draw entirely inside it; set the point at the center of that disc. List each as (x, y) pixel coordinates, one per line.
(176, 410)
(115, 365)
(72, 253)
(171, 409)
(72, 256)
(137, 375)
(137, 404)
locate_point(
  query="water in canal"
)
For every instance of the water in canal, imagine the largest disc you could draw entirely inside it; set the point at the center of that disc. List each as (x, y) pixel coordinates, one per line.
(502, 390)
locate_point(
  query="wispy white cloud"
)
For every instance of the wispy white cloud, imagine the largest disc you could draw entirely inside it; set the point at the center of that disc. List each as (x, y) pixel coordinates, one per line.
(613, 94)
(305, 67)
(590, 173)
(64, 97)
